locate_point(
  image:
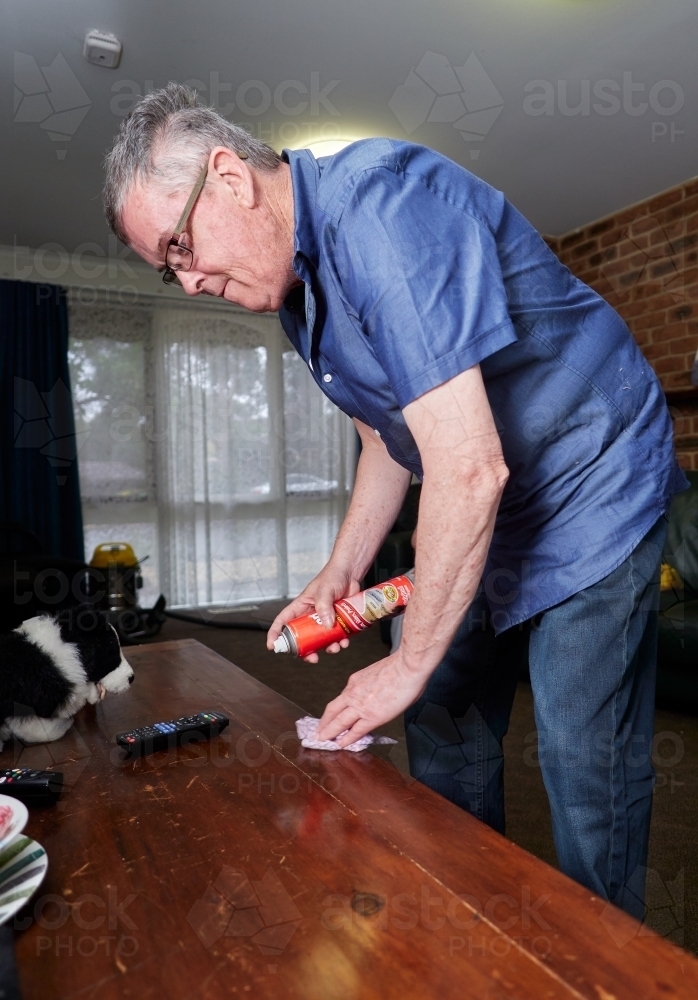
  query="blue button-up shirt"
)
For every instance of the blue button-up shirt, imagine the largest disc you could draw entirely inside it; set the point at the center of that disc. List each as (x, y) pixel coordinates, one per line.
(415, 270)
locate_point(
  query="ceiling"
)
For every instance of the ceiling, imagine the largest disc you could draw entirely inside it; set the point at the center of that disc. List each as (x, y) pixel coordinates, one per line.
(356, 63)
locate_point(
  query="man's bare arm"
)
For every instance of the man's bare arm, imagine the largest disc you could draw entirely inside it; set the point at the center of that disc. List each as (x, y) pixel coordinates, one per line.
(379, 491)
(376, 499)
(464, 476)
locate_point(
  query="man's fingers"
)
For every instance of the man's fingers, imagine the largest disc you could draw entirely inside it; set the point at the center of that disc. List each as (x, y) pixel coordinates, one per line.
(332, 709)
(359, 729)
(300, 606)
(345, 719)
(324, 608)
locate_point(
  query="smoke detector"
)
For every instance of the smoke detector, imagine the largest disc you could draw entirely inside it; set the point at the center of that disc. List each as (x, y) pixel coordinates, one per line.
(102, 48)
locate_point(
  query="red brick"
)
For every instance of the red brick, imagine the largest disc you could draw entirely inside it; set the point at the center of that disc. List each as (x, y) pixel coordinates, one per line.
(625, 265)
(571, 239)
(659, 335)
(655, 351)
(624, 248)
(663, 267)
(610, 239)
(673, 330)
(665, 365)
(630, 278)
(648, 320)
(665, 300)
(691, 187)
(600, 227)
(680, 379)
(683, 242)
(584, 248)
(683, 208)
(630, 215)
(647, 289)
(666, 199)
(681, 345)
(632, 309)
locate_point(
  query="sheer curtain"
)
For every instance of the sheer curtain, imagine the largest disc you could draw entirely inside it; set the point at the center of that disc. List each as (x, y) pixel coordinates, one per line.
(254, 465)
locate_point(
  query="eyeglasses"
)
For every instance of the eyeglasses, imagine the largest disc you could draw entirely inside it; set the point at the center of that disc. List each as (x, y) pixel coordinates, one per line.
(178, 256)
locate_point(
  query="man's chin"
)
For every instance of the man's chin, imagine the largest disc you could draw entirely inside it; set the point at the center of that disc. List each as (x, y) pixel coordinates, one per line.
(259, 304)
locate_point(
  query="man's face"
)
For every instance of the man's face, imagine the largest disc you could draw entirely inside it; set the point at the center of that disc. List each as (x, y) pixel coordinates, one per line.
(238, 232)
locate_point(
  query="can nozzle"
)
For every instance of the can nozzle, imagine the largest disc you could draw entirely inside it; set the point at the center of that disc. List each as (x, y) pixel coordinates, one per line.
(281, 645)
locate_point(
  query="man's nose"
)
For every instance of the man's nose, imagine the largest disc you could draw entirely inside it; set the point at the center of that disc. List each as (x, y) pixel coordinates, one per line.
(190, 281)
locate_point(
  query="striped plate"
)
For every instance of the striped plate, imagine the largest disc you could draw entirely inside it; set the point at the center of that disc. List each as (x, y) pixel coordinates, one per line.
(23, 864)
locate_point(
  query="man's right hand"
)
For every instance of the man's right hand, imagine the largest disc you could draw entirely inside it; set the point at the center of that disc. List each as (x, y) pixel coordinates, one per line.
(379, 489)
(319, 596)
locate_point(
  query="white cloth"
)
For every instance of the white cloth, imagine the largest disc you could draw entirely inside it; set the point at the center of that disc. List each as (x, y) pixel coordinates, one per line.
(307, 728)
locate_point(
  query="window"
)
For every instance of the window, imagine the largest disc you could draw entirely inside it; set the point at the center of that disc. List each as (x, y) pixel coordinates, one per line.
(209, 448)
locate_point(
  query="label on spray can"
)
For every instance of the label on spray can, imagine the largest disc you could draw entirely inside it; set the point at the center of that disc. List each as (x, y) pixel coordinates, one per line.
(353, 614)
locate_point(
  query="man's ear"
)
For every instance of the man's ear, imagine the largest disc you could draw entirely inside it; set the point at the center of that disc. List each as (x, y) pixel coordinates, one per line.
(226, 167)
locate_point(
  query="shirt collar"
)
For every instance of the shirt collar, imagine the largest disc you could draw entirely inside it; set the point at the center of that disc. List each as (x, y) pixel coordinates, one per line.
(305, 174)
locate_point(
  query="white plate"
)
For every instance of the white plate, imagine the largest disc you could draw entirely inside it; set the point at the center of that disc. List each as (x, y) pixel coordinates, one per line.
(15, 821)
(23, 864)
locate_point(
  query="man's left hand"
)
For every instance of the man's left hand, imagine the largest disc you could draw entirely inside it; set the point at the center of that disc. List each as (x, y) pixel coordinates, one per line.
(372, 697)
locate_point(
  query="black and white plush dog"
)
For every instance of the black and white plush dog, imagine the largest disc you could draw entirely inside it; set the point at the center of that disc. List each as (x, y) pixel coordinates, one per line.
(51, 667)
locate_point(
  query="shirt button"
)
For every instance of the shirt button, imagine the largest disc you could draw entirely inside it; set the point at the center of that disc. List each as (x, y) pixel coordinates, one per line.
(327, 378)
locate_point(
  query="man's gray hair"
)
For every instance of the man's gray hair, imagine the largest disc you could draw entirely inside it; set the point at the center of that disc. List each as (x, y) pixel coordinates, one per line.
(168, 137)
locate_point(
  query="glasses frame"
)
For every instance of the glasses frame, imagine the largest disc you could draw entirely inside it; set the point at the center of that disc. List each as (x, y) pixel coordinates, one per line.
(170, 274)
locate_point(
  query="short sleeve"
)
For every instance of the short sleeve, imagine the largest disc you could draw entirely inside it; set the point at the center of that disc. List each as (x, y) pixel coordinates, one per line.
(422, 275)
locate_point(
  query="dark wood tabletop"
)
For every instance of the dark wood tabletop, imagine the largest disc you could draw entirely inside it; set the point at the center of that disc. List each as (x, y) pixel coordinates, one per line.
(250, 866)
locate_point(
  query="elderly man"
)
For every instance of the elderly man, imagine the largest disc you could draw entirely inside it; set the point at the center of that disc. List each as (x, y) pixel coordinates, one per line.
(433, 314)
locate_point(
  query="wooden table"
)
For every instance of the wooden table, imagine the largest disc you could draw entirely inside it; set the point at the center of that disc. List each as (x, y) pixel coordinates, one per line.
(250, 866)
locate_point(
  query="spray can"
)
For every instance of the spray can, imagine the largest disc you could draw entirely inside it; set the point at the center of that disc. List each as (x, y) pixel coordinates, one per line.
(307, 634)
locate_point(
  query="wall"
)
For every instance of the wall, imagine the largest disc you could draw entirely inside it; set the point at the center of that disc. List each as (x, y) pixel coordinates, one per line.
(644, 261)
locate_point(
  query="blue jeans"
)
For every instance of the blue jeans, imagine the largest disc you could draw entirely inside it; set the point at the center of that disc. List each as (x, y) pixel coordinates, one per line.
(592, 663)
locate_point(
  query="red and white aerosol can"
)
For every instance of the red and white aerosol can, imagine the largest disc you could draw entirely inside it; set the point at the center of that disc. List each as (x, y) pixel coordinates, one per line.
(307, 634)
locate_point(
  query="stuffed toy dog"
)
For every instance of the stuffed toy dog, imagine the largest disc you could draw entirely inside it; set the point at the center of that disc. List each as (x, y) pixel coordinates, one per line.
(51, 666)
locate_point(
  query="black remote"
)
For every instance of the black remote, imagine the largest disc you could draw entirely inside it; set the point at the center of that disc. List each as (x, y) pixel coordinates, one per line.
(178, 732)
(34, 788)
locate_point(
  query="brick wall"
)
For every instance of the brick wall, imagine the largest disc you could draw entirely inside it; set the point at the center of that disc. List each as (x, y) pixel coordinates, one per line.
(644, 261)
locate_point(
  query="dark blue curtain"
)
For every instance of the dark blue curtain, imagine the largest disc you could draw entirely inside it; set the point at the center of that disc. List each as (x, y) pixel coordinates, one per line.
(39, 485)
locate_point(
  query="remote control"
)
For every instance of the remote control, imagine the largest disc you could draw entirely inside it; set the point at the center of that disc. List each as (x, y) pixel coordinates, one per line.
(178, 732)
(34, 788)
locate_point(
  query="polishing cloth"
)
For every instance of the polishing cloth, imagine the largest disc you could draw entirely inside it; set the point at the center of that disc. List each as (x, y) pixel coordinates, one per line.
(307, 728)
